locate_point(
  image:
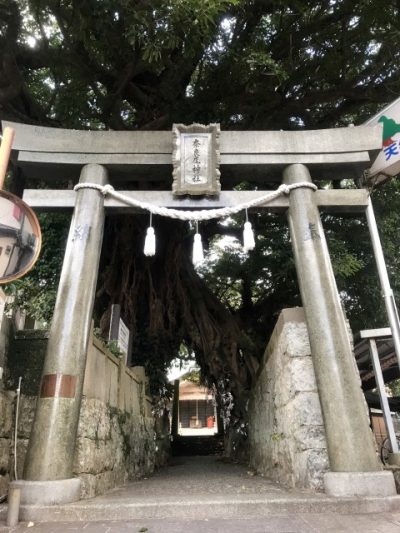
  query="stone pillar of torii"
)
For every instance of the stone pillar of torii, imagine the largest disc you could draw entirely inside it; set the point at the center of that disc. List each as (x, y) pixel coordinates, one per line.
(115, 157)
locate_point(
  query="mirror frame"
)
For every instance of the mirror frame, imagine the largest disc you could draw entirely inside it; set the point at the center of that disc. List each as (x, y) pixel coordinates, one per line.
(35, 228)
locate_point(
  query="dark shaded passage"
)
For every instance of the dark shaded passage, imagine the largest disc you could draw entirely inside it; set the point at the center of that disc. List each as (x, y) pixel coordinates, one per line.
(197, 445)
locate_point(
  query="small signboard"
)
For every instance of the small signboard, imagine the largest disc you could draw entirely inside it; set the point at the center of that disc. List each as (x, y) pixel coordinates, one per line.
(196, 159)
(123, 337)
(119, 332)
(387, 164)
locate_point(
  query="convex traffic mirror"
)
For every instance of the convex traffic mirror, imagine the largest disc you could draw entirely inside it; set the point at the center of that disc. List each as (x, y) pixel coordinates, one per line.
(20, 237)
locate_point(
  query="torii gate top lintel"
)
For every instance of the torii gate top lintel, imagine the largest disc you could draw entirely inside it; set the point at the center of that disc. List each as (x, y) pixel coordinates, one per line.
(132, 156)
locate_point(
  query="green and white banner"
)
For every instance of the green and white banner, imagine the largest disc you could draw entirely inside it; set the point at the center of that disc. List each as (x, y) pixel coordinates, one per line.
(388, 160)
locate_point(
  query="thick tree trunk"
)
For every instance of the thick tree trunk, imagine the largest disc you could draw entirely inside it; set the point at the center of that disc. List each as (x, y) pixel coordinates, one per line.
(166, 303)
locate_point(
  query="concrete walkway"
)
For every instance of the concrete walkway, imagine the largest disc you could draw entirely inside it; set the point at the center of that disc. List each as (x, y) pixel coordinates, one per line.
(205, 494)
(310, 523)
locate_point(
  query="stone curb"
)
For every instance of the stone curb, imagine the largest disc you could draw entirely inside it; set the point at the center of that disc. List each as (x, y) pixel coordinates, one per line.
(198, 507)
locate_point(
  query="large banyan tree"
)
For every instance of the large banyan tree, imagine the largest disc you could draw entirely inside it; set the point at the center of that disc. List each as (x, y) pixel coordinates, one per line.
(259, 64)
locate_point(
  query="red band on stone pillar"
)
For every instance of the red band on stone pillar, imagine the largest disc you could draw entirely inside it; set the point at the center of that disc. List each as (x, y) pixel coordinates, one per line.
(58, 386)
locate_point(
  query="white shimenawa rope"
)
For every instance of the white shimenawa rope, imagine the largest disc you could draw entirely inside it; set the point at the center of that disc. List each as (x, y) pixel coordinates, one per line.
(195, 216)
(201, 214)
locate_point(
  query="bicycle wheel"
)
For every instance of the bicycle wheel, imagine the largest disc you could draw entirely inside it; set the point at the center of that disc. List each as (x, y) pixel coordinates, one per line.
(386, 449)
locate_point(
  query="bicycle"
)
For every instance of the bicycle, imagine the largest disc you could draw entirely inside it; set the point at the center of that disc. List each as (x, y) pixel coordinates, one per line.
(386, 449)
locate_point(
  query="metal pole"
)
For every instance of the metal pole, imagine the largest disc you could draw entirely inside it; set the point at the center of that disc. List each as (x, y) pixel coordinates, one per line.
(387, 292)
(387, 417)
(16, 427)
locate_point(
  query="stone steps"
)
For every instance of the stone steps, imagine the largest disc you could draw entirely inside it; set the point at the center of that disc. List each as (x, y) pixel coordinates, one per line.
(199, 507)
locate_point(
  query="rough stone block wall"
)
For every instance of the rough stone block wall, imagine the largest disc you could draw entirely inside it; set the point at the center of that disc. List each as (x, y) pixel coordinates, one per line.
(6, 424)
(116, 438)
(286, 430)
(112, 447)
(7, 416)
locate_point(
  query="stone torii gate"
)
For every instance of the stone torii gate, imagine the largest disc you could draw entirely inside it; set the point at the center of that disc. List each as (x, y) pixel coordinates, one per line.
(121, 157)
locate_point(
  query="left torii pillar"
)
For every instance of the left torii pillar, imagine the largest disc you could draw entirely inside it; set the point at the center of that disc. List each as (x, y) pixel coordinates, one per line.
(49, 461)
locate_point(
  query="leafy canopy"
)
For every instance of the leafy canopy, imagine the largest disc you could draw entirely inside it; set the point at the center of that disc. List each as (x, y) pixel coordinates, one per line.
(246, 64)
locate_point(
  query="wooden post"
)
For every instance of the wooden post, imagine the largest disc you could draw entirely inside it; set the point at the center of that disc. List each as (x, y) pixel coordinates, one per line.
(14, 497)
(175, 410)
(5, 151)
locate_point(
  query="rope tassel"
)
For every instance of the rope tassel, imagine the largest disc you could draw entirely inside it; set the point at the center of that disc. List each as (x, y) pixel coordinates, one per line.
(150, 241)
(198, 254)
(249, 242)
(248, 237)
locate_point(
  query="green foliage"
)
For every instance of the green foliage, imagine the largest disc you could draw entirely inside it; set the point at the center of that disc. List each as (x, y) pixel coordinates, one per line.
(345, 262)
(361, 290)
(122, 65)
(277, 437)
(36, 292)
(254, 286)
(193, 376)
(394, 387)
(112, 346)
(122, 418)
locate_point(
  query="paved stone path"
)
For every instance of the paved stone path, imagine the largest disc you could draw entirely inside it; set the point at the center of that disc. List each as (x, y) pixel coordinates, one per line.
(310, 523)
(211, 479)
(206, 475)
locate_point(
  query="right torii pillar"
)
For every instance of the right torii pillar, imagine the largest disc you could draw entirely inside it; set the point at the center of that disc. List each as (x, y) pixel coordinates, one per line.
(355, 469)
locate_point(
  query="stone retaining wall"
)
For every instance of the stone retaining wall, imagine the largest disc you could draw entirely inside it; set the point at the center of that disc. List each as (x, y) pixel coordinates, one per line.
(116, 438)
(6, 425)
(112, 447)
(286, 430)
